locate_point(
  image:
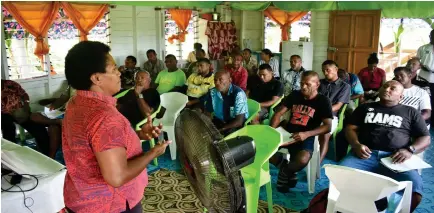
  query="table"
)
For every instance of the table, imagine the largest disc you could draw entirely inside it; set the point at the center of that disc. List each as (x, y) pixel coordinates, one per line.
(47, 196)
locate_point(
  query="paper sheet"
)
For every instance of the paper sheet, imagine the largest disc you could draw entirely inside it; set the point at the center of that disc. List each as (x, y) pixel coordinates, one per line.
(415, 162)
(286, 136)
(52, 114)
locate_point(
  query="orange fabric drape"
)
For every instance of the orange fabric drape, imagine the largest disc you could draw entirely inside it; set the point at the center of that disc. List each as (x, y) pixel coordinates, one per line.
(36, 18)
(181, 18)
(284, 19)
(84, 16)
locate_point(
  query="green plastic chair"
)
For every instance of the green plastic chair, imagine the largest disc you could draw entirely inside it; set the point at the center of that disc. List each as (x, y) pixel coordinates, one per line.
(123, 93)
(254, 107)
(356, 102)
(152, 141)
(339, 128)
(271, 112)
(257, 174)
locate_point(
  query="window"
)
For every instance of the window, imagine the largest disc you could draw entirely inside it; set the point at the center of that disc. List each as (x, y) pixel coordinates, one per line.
(273, 33)
(20, 44)
(62, 36)
(180, 50)
(393, 54)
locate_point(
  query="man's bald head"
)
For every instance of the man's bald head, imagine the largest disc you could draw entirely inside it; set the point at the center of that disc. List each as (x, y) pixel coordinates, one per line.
(222, 80)
(391, 92)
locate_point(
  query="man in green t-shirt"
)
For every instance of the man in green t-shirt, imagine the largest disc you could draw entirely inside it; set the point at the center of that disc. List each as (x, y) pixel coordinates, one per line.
(172, 79)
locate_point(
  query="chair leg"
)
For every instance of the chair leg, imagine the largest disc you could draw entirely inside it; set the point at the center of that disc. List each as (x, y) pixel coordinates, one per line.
(269, 197)
(252, 197)
(152, 144)
(172, 146)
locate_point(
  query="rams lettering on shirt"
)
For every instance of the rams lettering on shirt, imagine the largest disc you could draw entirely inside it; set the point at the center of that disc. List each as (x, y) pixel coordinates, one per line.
(383, 119)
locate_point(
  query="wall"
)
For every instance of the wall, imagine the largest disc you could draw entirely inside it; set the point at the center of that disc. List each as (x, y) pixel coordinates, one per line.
(252, 27)
(319, 36)
(133, 31)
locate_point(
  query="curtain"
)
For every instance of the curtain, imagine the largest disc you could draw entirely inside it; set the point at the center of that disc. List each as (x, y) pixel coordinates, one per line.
(284, 19)
(36, 18)
(84, 16)
(181, 18)
(222, 37)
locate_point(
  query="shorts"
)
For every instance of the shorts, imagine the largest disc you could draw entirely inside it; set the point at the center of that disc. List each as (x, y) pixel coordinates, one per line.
(307, 145)
(373, 164)
(263, 113)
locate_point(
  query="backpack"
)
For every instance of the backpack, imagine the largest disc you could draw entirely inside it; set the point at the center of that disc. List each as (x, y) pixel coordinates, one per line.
(318, 204)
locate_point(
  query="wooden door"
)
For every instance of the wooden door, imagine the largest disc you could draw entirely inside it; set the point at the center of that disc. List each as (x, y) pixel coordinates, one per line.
(353, 35)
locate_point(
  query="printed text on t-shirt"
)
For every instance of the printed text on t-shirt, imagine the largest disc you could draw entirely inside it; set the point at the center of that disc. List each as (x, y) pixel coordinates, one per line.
(301, 114)
(383, 119)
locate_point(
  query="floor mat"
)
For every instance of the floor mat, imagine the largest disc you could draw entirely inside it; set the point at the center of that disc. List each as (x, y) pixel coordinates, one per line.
(169, 191)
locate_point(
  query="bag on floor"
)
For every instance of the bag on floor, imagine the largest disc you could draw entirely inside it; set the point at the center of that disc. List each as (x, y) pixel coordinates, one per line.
(318, 204)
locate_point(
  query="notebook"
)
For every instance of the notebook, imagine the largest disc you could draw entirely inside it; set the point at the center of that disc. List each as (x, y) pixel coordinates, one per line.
(415, 162)
(286, 136)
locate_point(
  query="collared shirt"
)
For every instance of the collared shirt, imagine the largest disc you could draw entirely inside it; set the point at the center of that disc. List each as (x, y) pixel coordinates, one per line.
(13, 96)
(154, 69)
(197, 85)
(226, 107)
(250, 65)
(274, 64)
(426, 55)
(93, 124)
(127, 76)
(239, 77)
(168, 80)
(291, 80)
(354, 82)
(337, 91)
(371, 80)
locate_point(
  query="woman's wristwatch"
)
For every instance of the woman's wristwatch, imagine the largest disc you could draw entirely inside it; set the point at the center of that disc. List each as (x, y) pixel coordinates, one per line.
(411, 149)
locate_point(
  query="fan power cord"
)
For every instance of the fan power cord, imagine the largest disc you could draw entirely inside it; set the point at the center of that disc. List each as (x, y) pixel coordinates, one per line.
(15, 180)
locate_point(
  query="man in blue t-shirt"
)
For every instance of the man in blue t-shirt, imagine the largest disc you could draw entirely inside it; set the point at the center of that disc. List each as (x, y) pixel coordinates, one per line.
(228, 102)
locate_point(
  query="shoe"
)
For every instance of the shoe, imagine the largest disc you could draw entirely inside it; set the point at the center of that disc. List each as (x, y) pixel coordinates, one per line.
(284, 181)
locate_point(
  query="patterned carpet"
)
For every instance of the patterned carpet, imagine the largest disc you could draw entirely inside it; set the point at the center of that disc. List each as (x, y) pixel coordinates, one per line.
(169, 191)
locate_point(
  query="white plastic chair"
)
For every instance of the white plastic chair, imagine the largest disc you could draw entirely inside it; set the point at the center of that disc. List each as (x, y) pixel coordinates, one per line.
(355, 191)
(173, 102)
(313, 168)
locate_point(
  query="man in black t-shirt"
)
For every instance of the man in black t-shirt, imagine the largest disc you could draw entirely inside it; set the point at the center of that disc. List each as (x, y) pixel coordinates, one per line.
(310, 115)
(139, 101)
(387, 129)
(264, 89)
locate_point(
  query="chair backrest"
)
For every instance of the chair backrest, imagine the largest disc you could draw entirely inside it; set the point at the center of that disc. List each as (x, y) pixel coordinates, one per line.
(266, 138)
(354, 184)
(271, 113)
(122, 93)
(153, 115)
(173, 102)
(254, 107)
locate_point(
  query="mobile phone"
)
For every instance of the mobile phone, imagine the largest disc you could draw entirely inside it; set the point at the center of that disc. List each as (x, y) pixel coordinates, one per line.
(166, 138)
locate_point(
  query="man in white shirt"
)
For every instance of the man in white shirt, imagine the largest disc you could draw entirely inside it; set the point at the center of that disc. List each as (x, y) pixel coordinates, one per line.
(413, 95)
(426, 55)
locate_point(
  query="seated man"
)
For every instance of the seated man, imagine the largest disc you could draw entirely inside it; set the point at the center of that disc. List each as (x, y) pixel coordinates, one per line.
(387, 128)
(339, 94)
(414, 65)
(127, 72)
(413, 95)
(265, 89)
(228, 103)
(54, 125)
(172, 79)
(308, 109)
(16, 109)
(291, 78)
(238, 73)
(192, 67)
(153, 65)
(198, 84)
(356, 91)
(140, 101)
